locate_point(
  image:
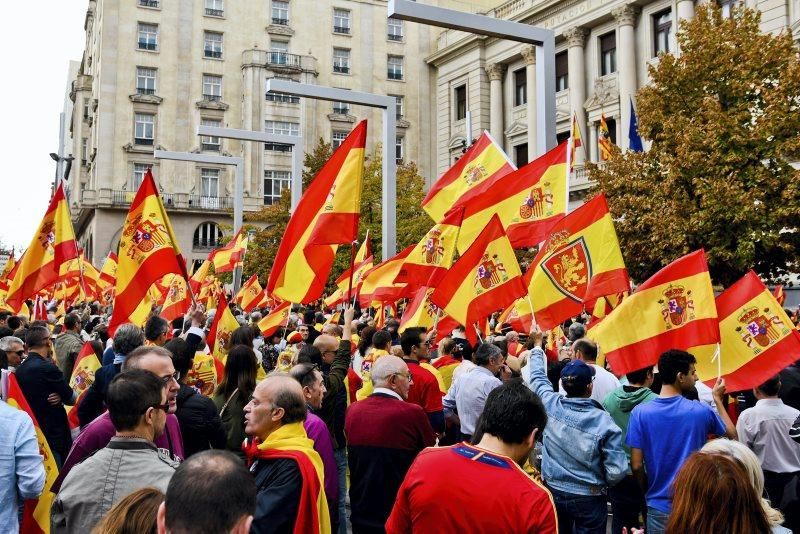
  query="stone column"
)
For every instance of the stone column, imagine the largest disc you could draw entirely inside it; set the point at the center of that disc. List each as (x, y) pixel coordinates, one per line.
(529, 55)
(626, 66)
(577, 78)
(592, 148)
(495, 71)
(685, 9)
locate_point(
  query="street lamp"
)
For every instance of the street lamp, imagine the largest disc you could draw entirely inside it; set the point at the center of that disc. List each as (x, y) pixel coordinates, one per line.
(58, 159)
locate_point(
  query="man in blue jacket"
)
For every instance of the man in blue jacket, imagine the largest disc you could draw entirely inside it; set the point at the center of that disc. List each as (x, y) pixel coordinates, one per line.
(582, 454)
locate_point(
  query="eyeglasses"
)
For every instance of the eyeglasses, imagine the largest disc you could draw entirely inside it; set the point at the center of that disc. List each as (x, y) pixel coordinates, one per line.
(164, 407)
(20, 352)
(165, 380)
(310, 370)
(407, 375)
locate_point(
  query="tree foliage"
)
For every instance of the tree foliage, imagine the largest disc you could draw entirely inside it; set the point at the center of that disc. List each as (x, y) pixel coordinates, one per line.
(724, 124)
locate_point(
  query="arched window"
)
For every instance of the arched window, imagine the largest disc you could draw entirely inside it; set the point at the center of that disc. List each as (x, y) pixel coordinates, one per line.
(207, 235)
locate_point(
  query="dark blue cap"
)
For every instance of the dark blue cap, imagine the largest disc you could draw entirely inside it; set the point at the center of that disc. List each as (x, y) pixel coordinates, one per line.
(578, 373)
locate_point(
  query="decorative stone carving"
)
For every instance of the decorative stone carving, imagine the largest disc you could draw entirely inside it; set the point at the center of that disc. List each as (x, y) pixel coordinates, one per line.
(341, 117)
(575, 36)
(529, 54)
(495, 71)
(626, 15)
(146, 99)
(212, 104)
(605, 94)
(277, 29)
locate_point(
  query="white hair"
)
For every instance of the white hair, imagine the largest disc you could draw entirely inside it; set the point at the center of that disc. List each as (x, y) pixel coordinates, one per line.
(385, 367)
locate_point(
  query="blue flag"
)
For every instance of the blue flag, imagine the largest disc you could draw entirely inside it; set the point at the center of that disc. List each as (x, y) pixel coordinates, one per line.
(634, 141)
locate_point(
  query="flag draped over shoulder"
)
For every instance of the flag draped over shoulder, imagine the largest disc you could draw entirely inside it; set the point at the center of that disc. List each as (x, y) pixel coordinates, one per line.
(378, 284)
(52, 245)
(148, 250)
(672, 309)
(225, 259)
(301, 266)
(528, 201)
(485, 279)
(433, 255)
(757, 338)
(483, 160)
(278, 317)
(219, 335)
(580, 261)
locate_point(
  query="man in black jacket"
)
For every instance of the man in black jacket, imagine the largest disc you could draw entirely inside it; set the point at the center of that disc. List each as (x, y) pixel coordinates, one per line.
(46, 391)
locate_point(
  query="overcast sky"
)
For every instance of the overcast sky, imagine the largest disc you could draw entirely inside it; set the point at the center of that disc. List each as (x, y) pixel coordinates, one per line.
(42, 36)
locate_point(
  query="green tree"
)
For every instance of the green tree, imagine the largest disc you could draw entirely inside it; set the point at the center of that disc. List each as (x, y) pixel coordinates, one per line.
(724, 124)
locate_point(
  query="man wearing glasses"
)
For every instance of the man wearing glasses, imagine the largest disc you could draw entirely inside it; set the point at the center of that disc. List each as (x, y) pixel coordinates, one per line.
(12, 351)
(138, 406)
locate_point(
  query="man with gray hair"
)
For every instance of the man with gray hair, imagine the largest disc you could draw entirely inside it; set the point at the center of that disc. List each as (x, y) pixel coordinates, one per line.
(68, 344)
(12, 350)
(384, 435)
(466, 397)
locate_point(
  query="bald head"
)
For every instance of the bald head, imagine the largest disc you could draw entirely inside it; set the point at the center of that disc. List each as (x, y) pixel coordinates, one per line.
(326, 342)
(277, 400)
(392, 373)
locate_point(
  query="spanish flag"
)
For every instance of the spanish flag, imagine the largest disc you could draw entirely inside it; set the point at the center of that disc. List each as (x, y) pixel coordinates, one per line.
(779, 295)
(301, 266)
(225, 259)
(277, 318)
(363, 262)
(519, 315)
(86, 364)
(604, 140)
(575, 141)
(219, 335)
(108, 273)
(482, 161)
(378, 284)
(198, 278)
(148, 250)
(90, 278)
(757, 338)
(674, 309)
(485, 279)
(433, 255)
(528, 201)
(250, 294)
(177, 299)
(36, 514)
(580, 261)
(603, 306)
(9, 266)
(420, 312)
(51, 246)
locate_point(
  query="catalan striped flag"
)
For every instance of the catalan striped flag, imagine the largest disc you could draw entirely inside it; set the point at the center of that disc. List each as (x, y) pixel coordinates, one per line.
(483, 160)
(302, 266)
(378, 284)
(51, 246)
(484, 279)
(757, 338)
(177, 299)
(148, 250)
(673, 309)
(219, 335)
(528, 201)
(225, 258)
(277, 317)
(433, 255)
(604, 140)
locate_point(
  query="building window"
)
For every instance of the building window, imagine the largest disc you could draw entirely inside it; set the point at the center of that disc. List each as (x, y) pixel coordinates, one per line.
(209, 182)
(210, 142)
(520, 87)
(395, 67)
(521, 154)
(145, 80)
(207, 235)
(274, 184)
(399, 153)
(212, 87)
(341, 21)
(341, 108)
(84, 151)
(398, 106)
(144, 129)
(214, 8)
(277, 147)
(148, 3)
(279, 52)
(562, 72)
(282, 127)
(139, 170)
(341, 60)
(148, 36)
(608, 54)
(280, 12)
(662, 31)
(283, 98)
(337, 138)
(86, 109)
(394, 29)
(460, 98)
(212, 45)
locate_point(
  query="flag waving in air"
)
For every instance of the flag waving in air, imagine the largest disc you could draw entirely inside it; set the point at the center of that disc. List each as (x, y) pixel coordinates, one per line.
(604, 140)
(378, 284)
(108, 274)
(250, 295)
(148, 250)
(433, 255)
(278, 317)
(363, 262)
(575, 143)
(177, 298)
(304, 260)
(225, 259)
(52, 244)
(219, 335)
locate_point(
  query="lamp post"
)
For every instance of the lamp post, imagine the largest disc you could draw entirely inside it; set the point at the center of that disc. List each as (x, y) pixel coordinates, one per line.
(59, 160)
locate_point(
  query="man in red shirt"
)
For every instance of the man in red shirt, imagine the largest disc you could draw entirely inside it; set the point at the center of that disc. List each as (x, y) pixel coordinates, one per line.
(424, 387)
(498, 496)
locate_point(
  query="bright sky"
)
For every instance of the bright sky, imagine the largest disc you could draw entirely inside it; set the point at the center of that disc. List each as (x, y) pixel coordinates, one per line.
(42, 37)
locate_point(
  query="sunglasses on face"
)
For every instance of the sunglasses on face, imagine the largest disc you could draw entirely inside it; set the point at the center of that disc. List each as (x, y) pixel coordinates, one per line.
(164, 407)
(165, 380)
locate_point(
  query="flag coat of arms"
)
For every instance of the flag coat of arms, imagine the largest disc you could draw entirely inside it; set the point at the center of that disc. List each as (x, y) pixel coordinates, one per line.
(225, 259)
(177, 299)
(604, 140)
(276, 318)
(219, 335)
(420, 312)
(433, 255)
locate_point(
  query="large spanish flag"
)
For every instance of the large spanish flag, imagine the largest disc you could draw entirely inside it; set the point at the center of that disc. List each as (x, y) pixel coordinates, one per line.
(148, 250)
(482, 161)
(36, 515)
(225, 258)
(177, 299)
(528, 201)
(420, 312)
(52, 244)
(219, 335)
(301, 266)
(485, 279)
(674, 309)
(278, 317)
(433, 255)
(580, 261)
(757, 339)
(378, 284)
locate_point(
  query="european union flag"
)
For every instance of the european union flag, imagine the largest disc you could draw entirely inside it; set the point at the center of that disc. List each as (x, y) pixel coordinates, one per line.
(634, 141)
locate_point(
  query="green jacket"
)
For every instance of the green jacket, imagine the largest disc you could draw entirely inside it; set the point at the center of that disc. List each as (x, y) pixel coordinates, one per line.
(621, 402)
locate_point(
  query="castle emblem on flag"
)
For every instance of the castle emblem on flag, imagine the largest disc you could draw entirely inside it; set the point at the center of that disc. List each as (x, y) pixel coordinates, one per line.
(569, 266)
(474, 173)
(539, 203)
(47, 235)
(433, 248)
(760, 329)
(431, 309)
(83, 380)
(489, 273)
(677, 306)
(145, 236)
(224, 340)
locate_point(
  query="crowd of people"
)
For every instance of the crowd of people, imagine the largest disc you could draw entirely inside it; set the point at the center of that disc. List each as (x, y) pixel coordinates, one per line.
(346, 425)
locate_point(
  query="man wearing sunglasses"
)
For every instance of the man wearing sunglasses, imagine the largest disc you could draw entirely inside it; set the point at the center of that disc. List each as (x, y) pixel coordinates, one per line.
(13, 351)
(137, 405)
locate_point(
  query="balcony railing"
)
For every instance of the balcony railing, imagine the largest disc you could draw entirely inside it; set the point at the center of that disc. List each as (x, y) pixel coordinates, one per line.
(280, 21)
(177, 201)
(394, 37)
(212, 147)
(341, 69)
(341, 29)
(143, 141)
(341, 110)
(283, 59)
(283, 98)
(394, 75)
(145, 91)
(148, 3)
(214, 12)
(147, 45)
(212, 53)
(277, 147)
(212, 98)
(205, 245)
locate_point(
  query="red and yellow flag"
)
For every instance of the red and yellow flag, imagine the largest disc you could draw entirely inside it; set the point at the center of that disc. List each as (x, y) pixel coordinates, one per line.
(485, 279)
(108, 274)
(251, 294)
(277, 318)
(198, 278)
(148, 250)
(433, 255)
(10, 264)
(225, 259)
(580, 261)
(604, 140)
(674, 309)
(575, 141)
(779, 295)
(177, 299)
(603, 306)
(757, 338)
(528, 201)
(519, 315)
(482, 161)
(378, 284)
(363, 262)
(420, 312)
(36, 516)
(301, 266)
(86, 364)
(219, 335)
(52, 244)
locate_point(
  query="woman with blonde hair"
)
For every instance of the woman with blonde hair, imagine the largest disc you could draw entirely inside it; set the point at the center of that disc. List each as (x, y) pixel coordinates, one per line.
(135, 514)
(742, 454)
